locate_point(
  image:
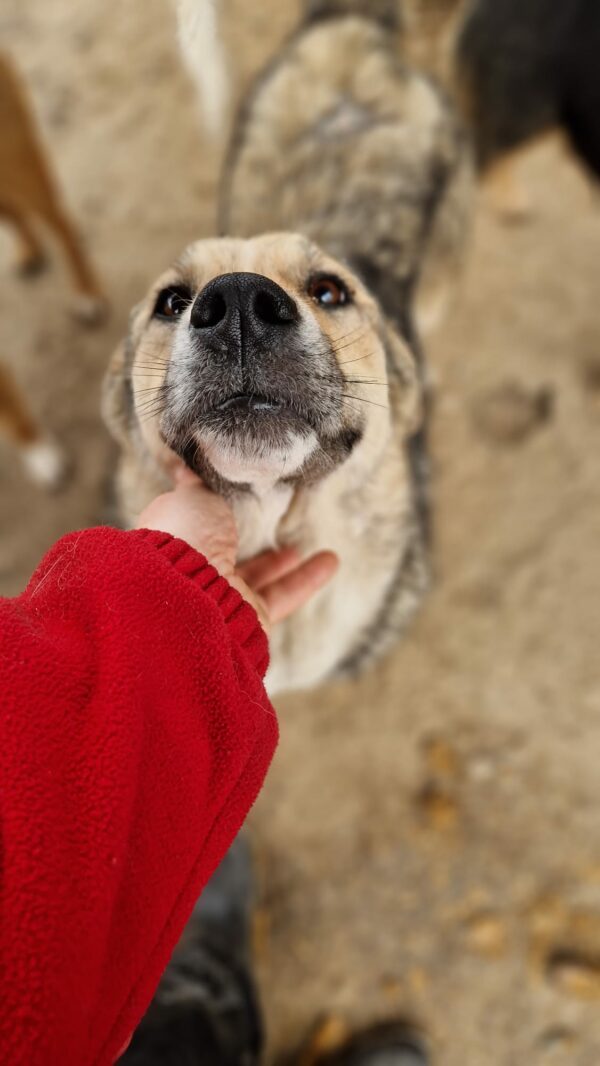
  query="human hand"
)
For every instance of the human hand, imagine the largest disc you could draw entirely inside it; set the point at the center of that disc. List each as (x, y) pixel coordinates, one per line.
(277, 583)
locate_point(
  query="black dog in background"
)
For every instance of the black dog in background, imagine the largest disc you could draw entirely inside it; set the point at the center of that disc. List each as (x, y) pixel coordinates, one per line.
(527, 66)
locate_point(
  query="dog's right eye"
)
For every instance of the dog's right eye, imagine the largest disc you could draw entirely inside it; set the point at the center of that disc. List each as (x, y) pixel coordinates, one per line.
(172, 302)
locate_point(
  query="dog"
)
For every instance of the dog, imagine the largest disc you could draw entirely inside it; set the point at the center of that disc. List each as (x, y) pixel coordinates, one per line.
(282, 363)
(29, 194)
(524, 69)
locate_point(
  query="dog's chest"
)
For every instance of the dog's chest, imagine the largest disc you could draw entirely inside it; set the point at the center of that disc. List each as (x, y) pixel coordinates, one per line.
(310, 521)
(258, 515)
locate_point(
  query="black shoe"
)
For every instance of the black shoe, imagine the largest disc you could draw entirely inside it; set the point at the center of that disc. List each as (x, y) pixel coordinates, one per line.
(205, 1011)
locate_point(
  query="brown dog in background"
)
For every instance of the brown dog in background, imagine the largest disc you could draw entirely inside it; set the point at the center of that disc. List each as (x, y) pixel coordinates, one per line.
(29, 194)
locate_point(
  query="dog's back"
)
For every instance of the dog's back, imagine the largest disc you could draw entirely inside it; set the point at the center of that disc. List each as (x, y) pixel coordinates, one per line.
(344, 143)
(528, 66)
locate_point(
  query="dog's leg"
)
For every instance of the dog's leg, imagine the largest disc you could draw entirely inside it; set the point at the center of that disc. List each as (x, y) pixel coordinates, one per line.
(503, 186)
(91, 303)
(43, 459)
(15, 418)
(28, 189)
(504, 190)
(204, 56)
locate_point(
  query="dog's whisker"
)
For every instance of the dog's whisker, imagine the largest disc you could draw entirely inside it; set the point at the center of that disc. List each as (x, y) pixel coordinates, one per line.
(152, 404)
(153, 388)
(363, 399)
(149, 413)
(162, 388)
(161, 367)
(365, 381)
(143, 371)
(365, 355)
(357, 360)
(337, 345)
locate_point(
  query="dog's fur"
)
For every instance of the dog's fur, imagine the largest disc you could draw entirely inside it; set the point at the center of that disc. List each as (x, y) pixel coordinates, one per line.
(204, 57)
(527, 67)
(29, 195)
(364, 158)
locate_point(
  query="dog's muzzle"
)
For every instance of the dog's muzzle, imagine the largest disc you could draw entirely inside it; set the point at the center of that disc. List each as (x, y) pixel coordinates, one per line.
(254, 377)
(246, 330)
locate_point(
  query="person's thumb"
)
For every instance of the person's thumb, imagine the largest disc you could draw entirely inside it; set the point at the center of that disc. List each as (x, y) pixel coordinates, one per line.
(182, 475)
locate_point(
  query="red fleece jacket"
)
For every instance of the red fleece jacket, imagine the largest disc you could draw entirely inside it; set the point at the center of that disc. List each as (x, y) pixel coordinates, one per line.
(135, 734)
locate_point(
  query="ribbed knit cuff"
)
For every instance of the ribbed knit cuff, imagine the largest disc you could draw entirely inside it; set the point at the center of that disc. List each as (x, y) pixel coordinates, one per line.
(240, 617)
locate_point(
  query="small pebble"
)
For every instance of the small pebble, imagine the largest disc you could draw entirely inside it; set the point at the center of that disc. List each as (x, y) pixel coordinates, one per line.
(509, 413)
(438, 808)
(486, 935)
(590, 373)
(575, 974)
(441, 758)
(557, 1041)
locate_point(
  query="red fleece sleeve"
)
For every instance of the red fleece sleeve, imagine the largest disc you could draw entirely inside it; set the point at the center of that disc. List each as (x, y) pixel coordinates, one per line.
(135, 734)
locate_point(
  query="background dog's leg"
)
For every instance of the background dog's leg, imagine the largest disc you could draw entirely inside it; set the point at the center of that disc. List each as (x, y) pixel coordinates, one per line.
(204, 57)
(43, 459)
(91, 304)
(28, 190)
(503, 184)
(505, 190)
(30, 257)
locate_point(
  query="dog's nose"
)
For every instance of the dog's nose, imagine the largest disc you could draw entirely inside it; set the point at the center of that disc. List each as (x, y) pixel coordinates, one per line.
(242, 303)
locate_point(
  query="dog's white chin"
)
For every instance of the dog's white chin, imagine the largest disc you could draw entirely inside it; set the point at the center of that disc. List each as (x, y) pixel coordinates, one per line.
(254, 464)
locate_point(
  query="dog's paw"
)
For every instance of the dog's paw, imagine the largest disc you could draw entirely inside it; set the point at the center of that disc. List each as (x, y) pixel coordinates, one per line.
(46, 464)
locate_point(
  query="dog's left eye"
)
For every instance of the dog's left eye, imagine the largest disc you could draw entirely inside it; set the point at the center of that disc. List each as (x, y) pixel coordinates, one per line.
(328, 291)
(172, 302)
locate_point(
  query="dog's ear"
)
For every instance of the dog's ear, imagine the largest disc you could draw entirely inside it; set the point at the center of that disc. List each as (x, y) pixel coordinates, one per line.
(117, 391)
(117, 394)
(406, 382)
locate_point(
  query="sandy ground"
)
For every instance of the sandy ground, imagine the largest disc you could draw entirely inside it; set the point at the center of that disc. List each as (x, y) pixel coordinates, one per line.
(429, 838)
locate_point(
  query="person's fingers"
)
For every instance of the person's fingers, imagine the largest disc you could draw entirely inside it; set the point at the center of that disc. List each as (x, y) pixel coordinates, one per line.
(288, 593)
(199, 517)
(267, 567)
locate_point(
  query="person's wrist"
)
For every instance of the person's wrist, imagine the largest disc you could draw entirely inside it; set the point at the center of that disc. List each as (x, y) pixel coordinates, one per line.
(252, 599)
(198, 517)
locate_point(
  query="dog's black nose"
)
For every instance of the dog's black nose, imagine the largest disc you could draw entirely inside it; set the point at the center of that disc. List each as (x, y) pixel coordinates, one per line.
(242, 303)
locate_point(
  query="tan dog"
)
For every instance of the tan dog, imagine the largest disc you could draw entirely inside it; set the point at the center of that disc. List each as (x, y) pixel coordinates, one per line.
(28, 194)
(283, 367)
(248, 362)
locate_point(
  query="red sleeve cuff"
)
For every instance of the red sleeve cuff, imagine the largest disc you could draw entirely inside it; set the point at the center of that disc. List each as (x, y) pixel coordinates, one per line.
(240, 617)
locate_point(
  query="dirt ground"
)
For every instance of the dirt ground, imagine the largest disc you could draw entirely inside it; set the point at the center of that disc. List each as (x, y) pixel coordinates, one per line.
(429, 838)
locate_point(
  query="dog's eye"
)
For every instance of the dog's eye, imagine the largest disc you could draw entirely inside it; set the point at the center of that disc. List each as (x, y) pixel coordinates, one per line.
(328, 291)
(172, 302)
